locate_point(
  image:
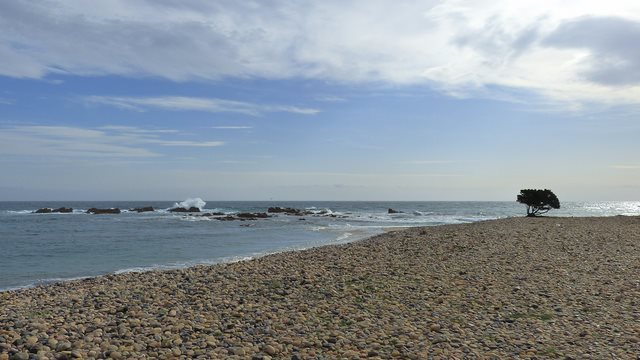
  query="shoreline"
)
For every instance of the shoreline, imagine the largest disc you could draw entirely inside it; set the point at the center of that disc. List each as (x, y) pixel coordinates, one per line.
(350, 238)
(544, 287)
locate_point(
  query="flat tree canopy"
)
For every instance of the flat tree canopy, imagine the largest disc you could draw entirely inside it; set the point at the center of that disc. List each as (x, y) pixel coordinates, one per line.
(538, 201)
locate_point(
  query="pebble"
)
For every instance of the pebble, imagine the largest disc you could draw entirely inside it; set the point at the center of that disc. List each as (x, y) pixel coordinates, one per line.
(270, 350)
(439, 292)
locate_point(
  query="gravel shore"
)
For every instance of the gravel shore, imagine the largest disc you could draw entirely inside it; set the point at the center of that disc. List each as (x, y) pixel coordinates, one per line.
(547, 287)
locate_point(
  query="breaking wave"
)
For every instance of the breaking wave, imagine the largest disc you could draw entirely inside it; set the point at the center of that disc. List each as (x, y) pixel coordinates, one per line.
(191, 202)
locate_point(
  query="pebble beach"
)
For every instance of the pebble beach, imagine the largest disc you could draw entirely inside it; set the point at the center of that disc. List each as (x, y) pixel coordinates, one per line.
(529, 288)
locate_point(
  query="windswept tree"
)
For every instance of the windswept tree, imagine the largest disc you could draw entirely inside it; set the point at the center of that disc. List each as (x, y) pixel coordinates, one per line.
(538, 201)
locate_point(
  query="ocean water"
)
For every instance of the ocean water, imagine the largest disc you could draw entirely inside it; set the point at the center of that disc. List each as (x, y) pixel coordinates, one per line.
(42, 248)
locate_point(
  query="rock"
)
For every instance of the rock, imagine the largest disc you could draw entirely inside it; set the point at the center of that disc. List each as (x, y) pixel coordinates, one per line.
(31, 340)
(115, 355)
(253, 215)
(63, 210)
(287, 211)
(213, 214)
(63, 346)
(43, 211)
(238, 351)
(185, 210)
(391, 211)
(270, 350)
(143, 209)
(20, 356)
(103, 211)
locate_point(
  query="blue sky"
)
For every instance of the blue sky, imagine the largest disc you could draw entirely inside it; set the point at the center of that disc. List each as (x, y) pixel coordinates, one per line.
(331, 100)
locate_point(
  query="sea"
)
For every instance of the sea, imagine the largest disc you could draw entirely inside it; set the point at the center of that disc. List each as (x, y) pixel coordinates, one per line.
(44, 248)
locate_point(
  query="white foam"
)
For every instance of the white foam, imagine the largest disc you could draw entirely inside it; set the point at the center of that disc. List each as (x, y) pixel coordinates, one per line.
(344, 236)
(44, 282)
(191, 202)
(20, 212)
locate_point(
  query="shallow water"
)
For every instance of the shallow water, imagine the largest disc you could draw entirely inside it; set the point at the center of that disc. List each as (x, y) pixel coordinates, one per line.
(40, 248)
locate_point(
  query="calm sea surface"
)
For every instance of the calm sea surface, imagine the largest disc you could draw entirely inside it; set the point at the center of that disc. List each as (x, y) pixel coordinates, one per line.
(41, 248)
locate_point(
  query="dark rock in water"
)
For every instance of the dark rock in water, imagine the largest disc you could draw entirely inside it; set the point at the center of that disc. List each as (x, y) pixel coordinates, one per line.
(143, 209)
(227, 218)
(287, 211)
(213, 214)
(391, 211)
(243, 217)
(253, 215)
(49, 210)
(103, 211)
(185, 210)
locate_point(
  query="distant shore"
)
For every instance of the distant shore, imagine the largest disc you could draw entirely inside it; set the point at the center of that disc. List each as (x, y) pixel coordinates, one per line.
(529, 287)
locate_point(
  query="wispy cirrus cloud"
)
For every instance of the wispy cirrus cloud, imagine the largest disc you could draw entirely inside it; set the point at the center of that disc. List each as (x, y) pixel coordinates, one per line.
(183, 103)
(76, 142)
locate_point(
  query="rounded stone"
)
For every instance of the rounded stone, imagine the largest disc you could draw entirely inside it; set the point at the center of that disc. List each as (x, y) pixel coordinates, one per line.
(270, 350)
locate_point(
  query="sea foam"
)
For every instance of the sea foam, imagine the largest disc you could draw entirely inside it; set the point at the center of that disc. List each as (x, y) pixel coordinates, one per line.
(191, 202)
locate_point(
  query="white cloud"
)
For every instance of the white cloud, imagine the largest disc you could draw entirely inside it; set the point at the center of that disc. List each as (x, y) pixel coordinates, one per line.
(75, 142)
(182, 103)
(461, 47)
(626, 167)
(4, 101)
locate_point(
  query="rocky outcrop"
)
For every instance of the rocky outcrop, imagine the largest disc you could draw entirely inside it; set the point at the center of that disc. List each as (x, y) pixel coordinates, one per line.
(192, 209)
(391, 211)
(252, 215)
(143, 209)
(287, 211)
(62, 210)
(239, 216)
(97, 211)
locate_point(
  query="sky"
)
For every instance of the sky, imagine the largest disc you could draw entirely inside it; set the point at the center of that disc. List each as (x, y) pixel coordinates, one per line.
(319, 100)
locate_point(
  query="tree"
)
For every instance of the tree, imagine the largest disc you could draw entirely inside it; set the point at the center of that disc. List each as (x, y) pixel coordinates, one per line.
(538, 201)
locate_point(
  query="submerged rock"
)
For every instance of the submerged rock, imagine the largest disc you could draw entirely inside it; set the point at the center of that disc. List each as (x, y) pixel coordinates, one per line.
(185, 210)
(143, 209)
(103, 211)
(213, 214)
